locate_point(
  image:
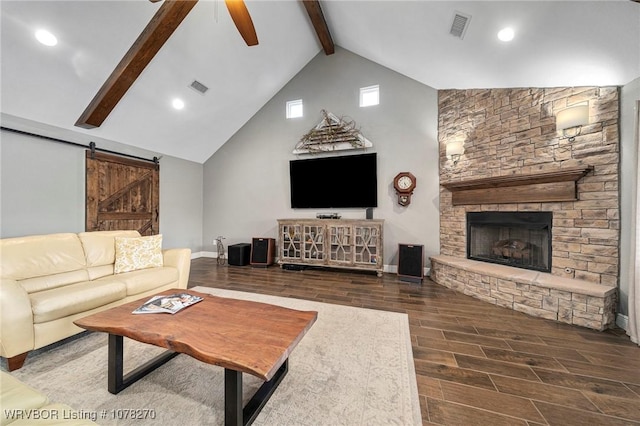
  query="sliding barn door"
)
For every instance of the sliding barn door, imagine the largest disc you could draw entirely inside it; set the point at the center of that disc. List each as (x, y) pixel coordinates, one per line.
(122, 193)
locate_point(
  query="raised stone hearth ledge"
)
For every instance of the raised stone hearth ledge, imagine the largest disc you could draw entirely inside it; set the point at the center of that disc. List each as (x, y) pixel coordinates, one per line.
(538, 294)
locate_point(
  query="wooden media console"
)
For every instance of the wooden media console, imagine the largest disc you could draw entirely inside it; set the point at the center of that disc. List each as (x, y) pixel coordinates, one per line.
(335, 243)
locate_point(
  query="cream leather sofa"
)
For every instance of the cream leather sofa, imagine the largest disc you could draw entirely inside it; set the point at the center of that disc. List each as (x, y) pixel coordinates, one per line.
(48, 281)
(22, 405)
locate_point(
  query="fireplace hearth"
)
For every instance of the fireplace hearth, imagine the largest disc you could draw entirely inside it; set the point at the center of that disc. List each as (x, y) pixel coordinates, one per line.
(519, 239)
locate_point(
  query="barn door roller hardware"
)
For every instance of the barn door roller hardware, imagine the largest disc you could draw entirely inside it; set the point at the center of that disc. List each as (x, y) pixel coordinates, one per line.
(92, 145)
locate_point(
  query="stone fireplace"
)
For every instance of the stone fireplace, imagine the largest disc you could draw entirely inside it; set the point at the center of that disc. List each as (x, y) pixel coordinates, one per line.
(515, 161)
(518, 239)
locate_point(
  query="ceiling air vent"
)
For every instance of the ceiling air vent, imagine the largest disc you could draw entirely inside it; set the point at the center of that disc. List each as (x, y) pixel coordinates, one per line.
(460, 24)
(199, 87)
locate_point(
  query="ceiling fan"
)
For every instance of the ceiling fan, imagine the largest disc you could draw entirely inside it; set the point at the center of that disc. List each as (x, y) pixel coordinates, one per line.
(157, 32)
(241, 18)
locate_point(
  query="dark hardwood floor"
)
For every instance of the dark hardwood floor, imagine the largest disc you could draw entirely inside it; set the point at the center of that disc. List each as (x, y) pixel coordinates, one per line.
(475, 363)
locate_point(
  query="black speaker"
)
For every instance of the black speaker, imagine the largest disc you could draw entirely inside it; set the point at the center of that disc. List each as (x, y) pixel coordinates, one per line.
(410, 262)
(239, 254)
(262, 251)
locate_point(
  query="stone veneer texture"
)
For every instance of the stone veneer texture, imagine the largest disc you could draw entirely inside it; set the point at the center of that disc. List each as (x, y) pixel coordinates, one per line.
(511, 132)
(537, 294)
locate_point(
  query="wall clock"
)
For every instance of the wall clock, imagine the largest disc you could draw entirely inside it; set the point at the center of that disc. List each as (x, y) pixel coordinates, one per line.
(404, 183)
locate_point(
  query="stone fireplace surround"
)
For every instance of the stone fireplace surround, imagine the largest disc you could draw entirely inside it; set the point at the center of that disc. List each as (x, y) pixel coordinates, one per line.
(510, 133)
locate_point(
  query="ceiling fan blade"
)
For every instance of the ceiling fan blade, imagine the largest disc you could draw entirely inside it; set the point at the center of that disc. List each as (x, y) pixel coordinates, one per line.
(242, 19)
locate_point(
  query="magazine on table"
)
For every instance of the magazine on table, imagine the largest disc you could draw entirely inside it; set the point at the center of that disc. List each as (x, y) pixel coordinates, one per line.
(169, 304)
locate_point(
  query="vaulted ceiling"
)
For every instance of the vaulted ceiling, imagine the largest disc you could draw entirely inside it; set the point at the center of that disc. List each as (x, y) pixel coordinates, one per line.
(571, 43)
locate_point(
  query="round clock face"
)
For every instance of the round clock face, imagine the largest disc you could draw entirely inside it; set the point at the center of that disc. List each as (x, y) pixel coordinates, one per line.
(404, 182)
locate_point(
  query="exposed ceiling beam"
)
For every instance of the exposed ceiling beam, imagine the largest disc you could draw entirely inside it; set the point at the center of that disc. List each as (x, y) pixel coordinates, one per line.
(319, 24)
(152, 38)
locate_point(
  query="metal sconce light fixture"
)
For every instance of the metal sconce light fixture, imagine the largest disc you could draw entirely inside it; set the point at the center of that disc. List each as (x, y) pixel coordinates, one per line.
(454, 150)
(570, 120)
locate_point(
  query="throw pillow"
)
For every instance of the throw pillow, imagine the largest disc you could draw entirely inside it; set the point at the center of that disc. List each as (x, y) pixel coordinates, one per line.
(134, 253)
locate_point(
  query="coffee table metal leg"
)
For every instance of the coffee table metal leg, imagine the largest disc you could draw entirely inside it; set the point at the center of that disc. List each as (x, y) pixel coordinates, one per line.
(117, 381)
(234, 414)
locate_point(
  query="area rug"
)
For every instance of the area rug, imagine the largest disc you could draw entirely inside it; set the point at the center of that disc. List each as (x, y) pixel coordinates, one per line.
(354, 367)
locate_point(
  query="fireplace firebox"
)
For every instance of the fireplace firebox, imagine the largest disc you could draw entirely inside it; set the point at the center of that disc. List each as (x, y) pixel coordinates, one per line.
(519, 239)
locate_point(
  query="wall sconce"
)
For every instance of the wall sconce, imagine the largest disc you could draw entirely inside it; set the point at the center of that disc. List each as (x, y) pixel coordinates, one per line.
(570, 120)
(454, 150)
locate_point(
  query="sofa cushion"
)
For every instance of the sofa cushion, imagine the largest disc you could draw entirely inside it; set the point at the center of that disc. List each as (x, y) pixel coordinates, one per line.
(137, 253)
(32, 285)
(71, 299)
(17, 396)
(40, 255)
(99, 246)
(145, 279)
(96, 272)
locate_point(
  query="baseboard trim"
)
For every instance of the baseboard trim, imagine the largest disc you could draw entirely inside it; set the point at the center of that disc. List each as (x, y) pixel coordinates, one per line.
(389, 269)
(622, 321)
(199, 254)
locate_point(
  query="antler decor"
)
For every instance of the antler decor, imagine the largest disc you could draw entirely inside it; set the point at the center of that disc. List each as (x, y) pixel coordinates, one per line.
(332, 134)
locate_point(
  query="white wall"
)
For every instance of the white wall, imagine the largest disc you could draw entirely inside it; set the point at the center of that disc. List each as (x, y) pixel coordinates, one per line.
(246, 182)
(629, 96)
(42, 185)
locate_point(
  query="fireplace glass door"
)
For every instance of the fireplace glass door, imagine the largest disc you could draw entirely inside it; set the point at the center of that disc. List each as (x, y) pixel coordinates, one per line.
(519, 239)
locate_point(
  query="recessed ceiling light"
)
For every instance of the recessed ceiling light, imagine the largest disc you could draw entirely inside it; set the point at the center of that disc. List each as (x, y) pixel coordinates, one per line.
(46, 38)
(506, 34)
(178, 103)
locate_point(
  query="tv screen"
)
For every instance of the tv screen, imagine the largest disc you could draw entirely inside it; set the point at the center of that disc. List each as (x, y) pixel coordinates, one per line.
(334, 182)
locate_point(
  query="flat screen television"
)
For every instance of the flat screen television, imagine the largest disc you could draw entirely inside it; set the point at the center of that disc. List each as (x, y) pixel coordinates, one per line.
(348, 181)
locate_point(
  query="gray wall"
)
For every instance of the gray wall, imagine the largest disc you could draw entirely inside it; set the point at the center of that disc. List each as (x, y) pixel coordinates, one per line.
(42, 185)
(629, 96)
(246, 182)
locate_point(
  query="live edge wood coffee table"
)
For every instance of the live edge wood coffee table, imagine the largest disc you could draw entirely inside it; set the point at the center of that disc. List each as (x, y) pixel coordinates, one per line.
(241, 336)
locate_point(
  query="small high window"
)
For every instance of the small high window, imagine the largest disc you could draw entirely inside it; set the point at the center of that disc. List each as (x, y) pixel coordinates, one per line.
(294, 109)
(369, 96)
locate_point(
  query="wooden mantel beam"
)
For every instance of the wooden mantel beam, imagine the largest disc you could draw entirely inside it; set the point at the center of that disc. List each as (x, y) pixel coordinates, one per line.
(492, 182)
(319, 24)
(550, 186)
(153, 37)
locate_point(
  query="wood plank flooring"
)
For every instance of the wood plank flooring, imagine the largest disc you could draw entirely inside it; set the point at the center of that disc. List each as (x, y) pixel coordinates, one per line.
(476, 364)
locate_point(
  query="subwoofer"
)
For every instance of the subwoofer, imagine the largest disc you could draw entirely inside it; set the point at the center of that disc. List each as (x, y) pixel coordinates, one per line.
(238, 254)
(262, 251)
(410, 262)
